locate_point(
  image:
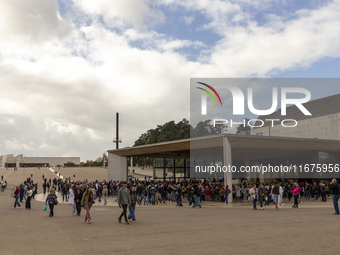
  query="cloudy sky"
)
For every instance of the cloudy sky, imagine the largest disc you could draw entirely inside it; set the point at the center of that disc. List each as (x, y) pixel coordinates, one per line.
(67, 66)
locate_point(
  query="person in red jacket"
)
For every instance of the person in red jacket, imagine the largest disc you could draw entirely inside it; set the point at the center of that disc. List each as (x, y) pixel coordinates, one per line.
(16, 196)
(207, 193)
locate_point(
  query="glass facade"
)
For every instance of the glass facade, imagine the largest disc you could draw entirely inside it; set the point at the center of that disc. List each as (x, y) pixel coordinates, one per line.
(171, 169)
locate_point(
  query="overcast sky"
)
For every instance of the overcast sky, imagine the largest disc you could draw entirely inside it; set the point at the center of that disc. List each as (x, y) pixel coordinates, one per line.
(67, 66)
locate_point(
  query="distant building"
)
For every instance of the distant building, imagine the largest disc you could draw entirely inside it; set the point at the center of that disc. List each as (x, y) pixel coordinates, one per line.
(21, 161)
(323, 124)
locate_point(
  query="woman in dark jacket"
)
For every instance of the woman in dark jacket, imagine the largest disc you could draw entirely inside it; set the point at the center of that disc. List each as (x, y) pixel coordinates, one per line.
(77, 200)
(51, 200)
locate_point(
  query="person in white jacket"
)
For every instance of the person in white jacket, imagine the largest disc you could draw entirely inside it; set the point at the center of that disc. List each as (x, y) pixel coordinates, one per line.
(281, 195)
(253, 195)
(28, 198)
(70, 196)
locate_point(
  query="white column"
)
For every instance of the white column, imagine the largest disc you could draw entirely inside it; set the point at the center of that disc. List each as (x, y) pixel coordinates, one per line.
(18, 161)
(228, 177)
(117, 168)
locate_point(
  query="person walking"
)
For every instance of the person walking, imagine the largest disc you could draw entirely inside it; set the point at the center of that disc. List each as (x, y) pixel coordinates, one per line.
(21, 192)
(179, 196)
(280, 201)
(64, 192)
(323, 192)
(296, 193)
(153, 195)
(28, 198)
(124, 200)
(77, 200)
(253, 195)
(70, 195)
(145, 195)
(100, 192)
(87, 201)
(105, 194)
(227, 191)
(140, 192)
(276, 194)
(334, 186)
(16, 196)
(261, 195)
(51, 201)
(132, 207)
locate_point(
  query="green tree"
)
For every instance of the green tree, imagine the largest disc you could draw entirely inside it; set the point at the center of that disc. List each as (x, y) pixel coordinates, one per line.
(204, 128)
(70, 164)
(169, 131)
(243, 130)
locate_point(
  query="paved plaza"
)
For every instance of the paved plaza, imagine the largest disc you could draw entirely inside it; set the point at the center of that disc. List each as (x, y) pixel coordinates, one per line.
(167, 229)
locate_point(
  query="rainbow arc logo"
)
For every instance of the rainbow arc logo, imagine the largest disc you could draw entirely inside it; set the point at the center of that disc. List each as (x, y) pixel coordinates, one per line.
(204, 98)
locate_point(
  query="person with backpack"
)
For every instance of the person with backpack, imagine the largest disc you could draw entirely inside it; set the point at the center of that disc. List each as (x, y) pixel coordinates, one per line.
(51, 200)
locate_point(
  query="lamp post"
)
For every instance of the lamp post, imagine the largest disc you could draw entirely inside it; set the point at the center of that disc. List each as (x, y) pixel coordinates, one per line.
(118, 140)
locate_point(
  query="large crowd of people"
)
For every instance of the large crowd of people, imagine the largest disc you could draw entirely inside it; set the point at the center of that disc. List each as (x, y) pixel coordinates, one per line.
(83, 194)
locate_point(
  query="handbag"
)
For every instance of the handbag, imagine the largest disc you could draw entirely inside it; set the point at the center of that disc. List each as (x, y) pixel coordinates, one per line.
(55, 201)
(45, 208)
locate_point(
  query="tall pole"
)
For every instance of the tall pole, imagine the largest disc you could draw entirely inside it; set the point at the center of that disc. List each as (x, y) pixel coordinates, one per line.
(117, 130)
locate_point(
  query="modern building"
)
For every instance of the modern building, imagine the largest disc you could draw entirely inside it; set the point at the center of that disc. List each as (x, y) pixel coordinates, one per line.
(324, 123)
(310, 150)
(176, 160)
(21, 161)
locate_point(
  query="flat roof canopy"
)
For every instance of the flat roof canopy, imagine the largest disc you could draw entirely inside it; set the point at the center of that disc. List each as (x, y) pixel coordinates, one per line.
(244, 147)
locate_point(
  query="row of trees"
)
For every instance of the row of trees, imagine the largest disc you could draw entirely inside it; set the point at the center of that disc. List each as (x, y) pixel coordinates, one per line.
(98, 162)
(171, 131)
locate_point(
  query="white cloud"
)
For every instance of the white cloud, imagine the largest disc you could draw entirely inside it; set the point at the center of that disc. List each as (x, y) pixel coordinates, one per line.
(15, 145)
(188, 19)
(31, 21)
(120, 13)
(63, 77)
